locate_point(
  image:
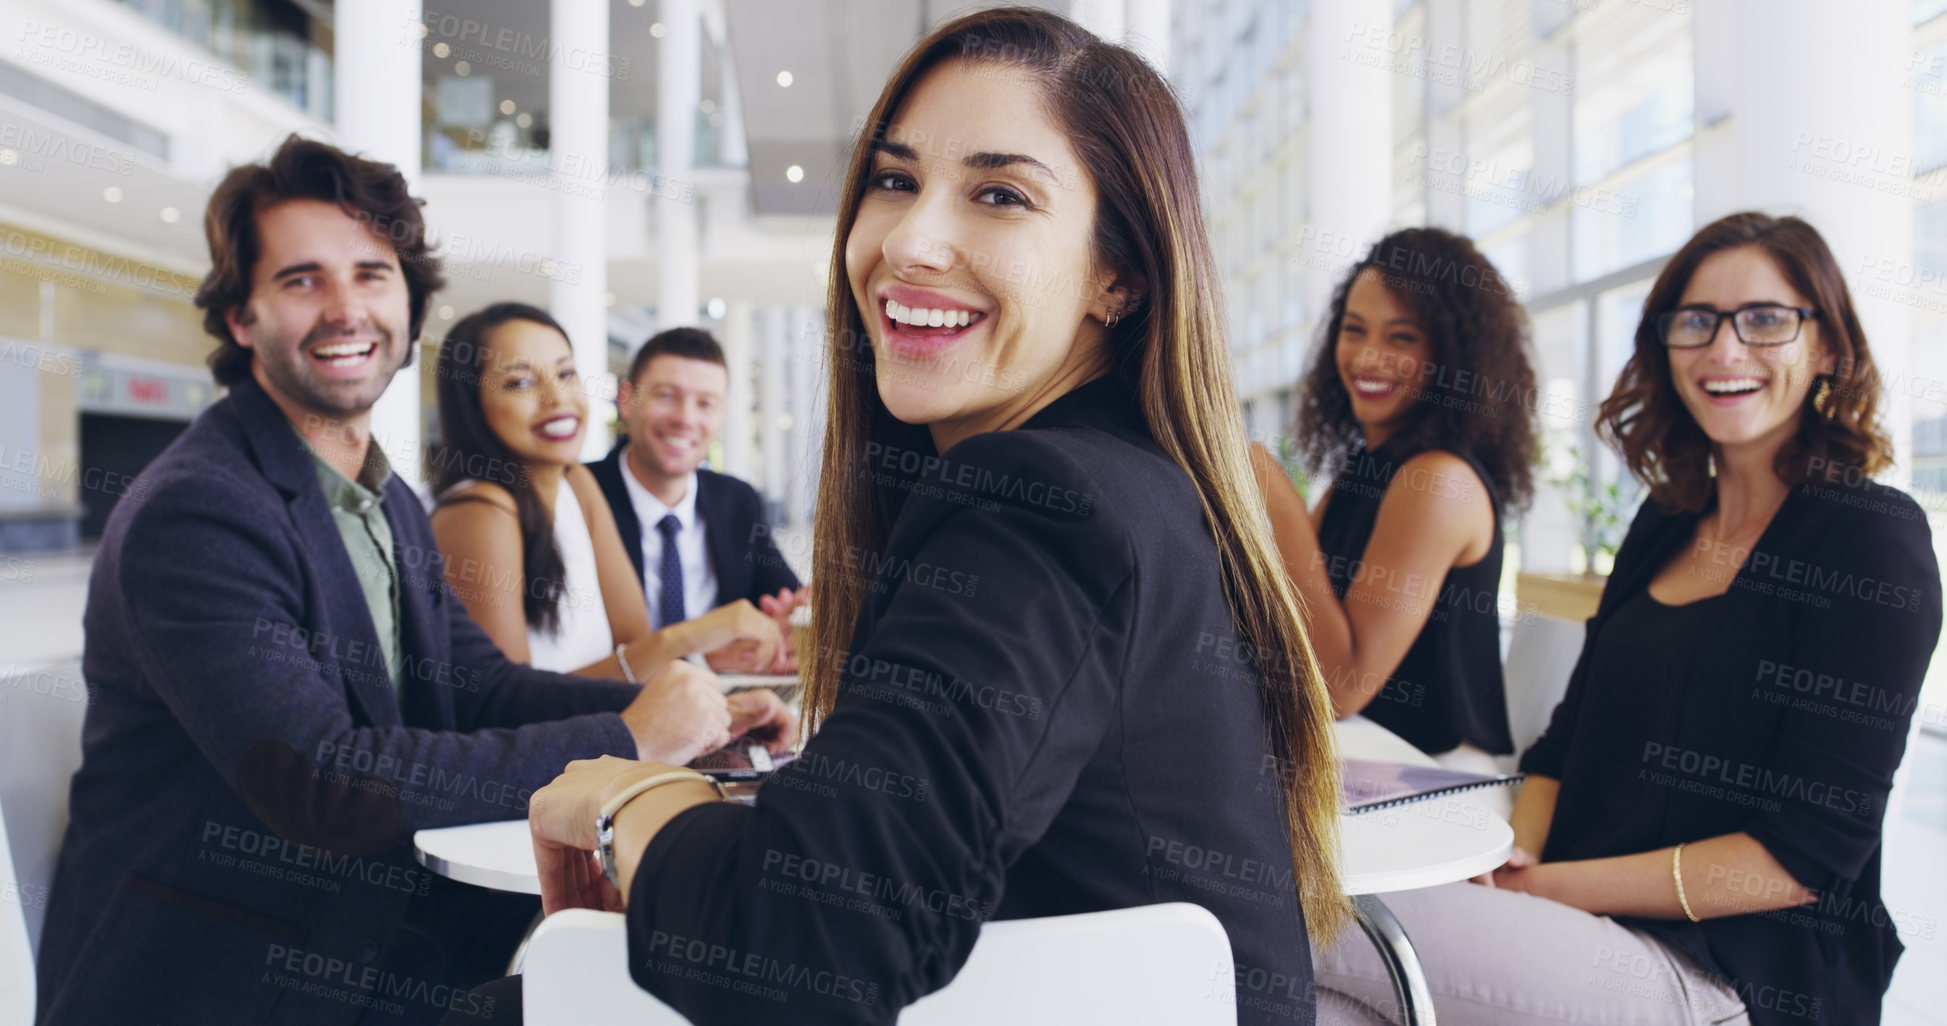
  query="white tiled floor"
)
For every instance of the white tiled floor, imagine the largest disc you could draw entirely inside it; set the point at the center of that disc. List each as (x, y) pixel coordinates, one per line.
(41, 599)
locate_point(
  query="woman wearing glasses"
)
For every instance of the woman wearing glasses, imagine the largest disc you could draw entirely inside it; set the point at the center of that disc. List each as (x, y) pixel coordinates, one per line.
(1699, 837)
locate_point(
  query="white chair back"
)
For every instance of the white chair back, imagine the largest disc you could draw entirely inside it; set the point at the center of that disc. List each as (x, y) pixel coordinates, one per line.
(41, 709)
(1541, 655)
(1155, 964)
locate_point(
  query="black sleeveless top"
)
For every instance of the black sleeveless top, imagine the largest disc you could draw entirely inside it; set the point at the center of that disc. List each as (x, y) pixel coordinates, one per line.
(1447, 689)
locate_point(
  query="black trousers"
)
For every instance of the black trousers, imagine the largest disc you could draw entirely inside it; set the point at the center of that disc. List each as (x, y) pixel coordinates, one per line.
(458, 936)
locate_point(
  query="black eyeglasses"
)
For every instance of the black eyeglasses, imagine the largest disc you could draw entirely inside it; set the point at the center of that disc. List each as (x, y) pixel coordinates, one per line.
(1756, 324)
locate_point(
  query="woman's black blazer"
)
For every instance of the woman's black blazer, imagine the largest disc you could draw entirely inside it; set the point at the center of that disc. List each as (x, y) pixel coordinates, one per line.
(1786, 723)
(1045, 709)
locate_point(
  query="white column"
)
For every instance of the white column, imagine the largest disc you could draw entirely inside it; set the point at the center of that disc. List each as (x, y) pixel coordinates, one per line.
(678, 91)
(807, 420)
(772, 389)
(736, 407)
(1349, 177)
(1148, 32)
(1830, 141)
(733, 148)
(578, 158)
(375, 97)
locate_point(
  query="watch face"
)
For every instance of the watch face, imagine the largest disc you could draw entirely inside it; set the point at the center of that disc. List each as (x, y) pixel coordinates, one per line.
(605, 846)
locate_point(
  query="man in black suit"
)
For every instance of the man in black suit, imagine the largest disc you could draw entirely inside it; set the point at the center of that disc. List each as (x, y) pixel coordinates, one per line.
(285, 686)
(698, 539)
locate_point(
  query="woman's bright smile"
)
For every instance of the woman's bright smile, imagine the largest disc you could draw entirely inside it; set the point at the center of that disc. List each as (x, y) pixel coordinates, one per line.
(972, 256)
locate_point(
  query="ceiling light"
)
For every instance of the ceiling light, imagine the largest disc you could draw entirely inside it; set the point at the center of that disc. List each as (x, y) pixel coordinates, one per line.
(112, 194)
(507, 106)
(445, 313)
(170, 215)
(656, 29)
(461, 68)
(794, 174)
(524, 120)
(784, 79)
(441, 50)
(9, 158)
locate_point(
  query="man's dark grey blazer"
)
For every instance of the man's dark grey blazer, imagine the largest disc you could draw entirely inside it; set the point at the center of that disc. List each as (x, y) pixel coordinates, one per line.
(240, 847)
(738, 535)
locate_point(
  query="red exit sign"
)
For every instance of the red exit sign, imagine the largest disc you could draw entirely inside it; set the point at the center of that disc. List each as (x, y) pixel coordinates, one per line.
(148, 390)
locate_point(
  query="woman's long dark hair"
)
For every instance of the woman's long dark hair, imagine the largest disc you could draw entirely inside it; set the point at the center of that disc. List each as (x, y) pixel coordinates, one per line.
(469, 450)
(1128, 130)
(1477, 394)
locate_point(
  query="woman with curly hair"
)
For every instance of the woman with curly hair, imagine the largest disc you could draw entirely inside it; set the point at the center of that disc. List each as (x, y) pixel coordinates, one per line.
(1699, 838)
(1420, 407)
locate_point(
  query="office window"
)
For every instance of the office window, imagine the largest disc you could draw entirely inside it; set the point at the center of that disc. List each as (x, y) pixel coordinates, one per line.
(1617, 226)
(1930, 240)
(1928, 81)
(1510, 257)
(1499, 184)
(1635, 94)
(1617, 313)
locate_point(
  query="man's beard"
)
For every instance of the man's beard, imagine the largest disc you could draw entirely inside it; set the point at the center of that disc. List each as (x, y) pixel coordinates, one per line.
(288, 370)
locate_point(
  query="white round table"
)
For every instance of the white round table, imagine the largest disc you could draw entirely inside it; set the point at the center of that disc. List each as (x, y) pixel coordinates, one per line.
(497, 856)
(1422, 844)
(1405, 848)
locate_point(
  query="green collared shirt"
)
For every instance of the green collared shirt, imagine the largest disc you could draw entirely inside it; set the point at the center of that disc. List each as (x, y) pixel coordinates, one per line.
(359, 509)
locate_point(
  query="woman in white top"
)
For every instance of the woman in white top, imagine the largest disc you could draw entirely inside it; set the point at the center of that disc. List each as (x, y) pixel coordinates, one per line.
(531, 547)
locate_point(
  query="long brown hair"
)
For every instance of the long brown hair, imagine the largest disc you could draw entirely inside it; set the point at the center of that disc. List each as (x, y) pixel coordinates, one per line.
(1129, 133)
(1660, 441)
(1477, 395)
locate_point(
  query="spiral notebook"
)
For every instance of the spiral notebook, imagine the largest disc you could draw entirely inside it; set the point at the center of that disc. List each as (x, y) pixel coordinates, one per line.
(1366, 786)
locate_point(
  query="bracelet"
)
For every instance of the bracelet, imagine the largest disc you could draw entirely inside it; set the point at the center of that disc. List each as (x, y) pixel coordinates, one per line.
(605, 819)
(1676, 873)
(627, 674)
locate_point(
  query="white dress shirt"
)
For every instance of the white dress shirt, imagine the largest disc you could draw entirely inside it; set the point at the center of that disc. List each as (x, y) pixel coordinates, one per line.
(699, 577)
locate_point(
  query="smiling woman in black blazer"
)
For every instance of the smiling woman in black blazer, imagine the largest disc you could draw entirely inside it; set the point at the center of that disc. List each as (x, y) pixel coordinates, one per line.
(1708, 799)
(1059, 668)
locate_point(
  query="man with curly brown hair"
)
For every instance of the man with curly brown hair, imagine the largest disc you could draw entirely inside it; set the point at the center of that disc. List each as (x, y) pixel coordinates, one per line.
(286, 689)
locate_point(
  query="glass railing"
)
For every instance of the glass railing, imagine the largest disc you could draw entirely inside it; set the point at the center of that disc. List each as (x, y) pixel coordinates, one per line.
(270, 41)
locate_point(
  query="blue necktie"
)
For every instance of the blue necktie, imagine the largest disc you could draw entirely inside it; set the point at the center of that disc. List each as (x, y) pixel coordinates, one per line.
(670, 609)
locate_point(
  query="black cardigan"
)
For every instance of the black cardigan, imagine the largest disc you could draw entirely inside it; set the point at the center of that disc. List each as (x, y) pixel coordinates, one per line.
(1045, 710)
(1787, 725)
